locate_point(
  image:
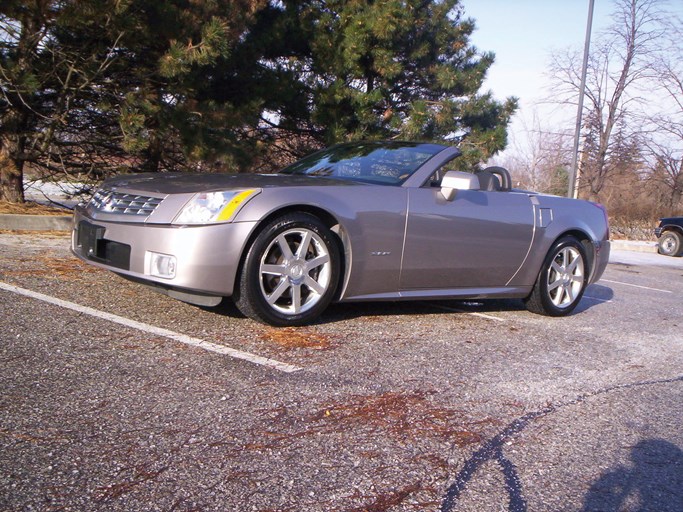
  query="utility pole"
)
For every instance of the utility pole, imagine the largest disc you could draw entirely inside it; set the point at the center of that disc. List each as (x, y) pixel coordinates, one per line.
(572, 190)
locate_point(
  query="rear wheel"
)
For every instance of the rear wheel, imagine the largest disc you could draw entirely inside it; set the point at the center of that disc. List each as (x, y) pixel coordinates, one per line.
(562, 280)
(670, 244)
(290, 273)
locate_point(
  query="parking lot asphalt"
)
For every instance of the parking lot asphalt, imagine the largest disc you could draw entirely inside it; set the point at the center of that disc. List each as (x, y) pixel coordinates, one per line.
(117, 398)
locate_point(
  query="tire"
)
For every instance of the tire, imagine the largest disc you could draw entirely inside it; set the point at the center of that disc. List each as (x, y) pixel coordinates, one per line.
(562, 279)
(670, 244)
(290, 273)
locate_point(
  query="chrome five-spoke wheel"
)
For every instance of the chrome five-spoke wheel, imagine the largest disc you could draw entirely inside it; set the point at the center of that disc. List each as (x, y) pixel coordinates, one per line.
(290, 273)
(562, 279)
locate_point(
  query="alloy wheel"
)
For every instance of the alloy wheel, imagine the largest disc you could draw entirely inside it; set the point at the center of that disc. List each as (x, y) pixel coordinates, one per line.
(295, 271)
(566, 277)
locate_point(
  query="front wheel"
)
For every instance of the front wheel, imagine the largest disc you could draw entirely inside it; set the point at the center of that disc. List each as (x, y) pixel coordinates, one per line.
(670, 244)
(290, 273)
(562, 279)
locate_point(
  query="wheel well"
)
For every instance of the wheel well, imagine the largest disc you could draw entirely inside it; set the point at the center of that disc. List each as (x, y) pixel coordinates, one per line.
(586, 242)
(672, 227)
(326, 217)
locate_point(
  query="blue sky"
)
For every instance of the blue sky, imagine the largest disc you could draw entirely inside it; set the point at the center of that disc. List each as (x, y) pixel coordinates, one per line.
(523, 34)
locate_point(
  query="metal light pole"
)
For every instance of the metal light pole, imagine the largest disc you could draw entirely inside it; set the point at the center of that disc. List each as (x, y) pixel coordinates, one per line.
(572, 190)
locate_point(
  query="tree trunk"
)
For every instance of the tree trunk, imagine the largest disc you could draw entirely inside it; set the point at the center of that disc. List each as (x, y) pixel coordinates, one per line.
(153, 155)
(15, 121)
(11, 172)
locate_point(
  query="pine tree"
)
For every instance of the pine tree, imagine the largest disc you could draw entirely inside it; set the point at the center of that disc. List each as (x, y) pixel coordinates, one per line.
(96, 85)
(99, 86)
(390, 69)
(177, 109)
(53, 57)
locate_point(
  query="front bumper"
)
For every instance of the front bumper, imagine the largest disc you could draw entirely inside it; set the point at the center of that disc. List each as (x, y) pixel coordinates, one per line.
(207, 257)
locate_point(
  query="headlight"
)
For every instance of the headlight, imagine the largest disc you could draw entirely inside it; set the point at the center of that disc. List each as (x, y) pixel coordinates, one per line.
(208, 207)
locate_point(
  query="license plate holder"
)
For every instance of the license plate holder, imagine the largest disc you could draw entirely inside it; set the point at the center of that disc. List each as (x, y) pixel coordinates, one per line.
(95, 247)
(89, 239)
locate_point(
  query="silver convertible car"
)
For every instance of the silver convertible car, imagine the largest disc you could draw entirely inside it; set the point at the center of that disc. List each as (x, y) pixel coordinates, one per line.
(355, 222)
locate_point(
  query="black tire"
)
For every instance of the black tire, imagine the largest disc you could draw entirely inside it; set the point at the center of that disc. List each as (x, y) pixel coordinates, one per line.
(562, 279)
(290, 273)
(670, 244)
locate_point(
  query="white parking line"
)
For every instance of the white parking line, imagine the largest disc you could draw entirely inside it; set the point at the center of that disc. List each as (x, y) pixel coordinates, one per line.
(637, 286)
(151, 329)
(473, 313)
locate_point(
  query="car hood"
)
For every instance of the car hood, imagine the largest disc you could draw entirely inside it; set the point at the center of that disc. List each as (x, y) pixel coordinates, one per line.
(184, 183)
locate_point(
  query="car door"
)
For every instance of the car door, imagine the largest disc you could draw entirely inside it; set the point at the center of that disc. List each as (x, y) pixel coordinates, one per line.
(478, 239)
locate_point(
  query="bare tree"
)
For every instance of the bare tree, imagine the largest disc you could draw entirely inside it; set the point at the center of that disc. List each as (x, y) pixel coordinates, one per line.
(619, 63)
(667, 172)
(540, 158)
(665, 139)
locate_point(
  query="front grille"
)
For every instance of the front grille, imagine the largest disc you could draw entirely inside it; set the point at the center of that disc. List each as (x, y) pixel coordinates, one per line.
(108, 201)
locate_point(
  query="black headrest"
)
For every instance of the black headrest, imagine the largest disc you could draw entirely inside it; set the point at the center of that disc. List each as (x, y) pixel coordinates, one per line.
(488, 181)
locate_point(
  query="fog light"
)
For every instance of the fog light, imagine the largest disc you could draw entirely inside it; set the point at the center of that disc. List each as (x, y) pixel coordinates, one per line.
(161, 265)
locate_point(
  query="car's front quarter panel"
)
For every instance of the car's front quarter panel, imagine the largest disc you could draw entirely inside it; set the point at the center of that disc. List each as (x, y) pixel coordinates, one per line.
(371, 219)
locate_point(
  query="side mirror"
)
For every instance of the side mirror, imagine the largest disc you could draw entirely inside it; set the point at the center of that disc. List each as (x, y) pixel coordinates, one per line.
(457, 180)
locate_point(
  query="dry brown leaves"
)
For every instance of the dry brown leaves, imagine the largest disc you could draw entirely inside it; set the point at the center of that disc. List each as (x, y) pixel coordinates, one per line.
(139, 475)
(30, 438)
(55, 268)
(403, 415)
(30, 208)
(293, 337)
(48, 233)
(384, 502)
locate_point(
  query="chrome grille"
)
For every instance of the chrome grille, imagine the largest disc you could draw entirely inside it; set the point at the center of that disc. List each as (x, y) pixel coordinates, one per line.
(108, 201)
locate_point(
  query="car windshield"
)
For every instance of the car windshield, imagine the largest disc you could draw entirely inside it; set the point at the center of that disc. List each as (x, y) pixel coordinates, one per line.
(383, 163)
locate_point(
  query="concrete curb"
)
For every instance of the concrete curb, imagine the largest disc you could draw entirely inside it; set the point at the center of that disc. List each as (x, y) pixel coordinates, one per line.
(632, 245)
(35, 222)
